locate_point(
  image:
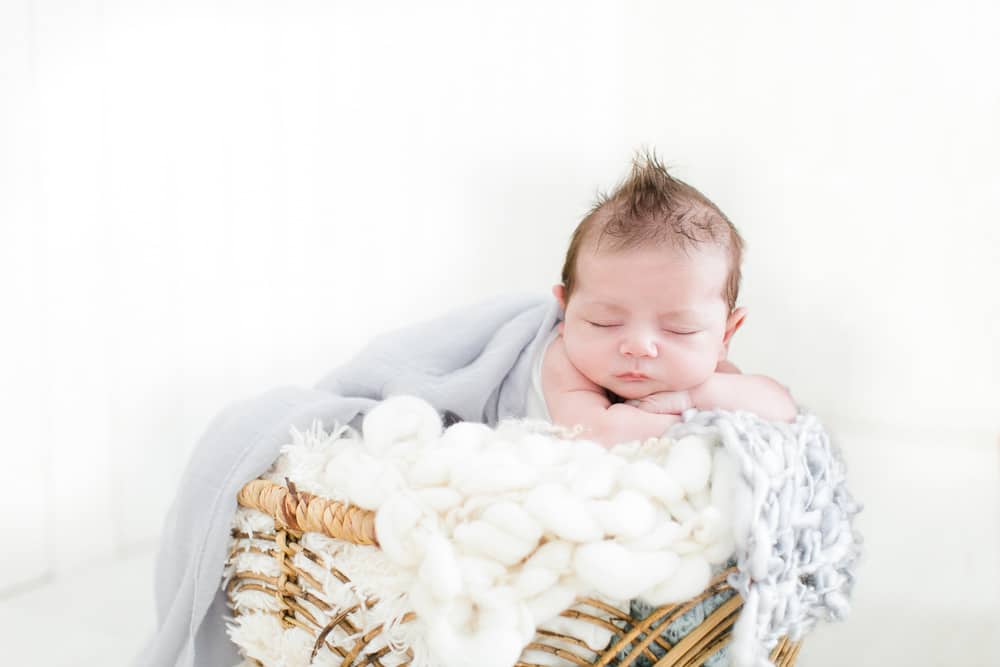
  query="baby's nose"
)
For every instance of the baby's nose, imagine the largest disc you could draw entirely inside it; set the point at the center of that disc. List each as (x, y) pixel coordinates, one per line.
(637, 346)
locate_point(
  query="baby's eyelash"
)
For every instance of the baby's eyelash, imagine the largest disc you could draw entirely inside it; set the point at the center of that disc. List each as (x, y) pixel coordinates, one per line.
(603, 326)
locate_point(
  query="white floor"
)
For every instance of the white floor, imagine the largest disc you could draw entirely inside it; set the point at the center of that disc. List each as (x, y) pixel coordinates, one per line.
(98, 616)
(928, 592)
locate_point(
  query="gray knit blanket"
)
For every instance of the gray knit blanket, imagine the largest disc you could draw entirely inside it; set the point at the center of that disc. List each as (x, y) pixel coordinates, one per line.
(797, 549)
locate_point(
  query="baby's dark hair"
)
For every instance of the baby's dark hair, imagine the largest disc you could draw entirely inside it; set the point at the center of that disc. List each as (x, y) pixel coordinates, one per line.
(651, 207)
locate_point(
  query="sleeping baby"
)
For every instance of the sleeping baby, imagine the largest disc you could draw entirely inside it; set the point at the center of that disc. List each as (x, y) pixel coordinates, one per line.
(648, 294)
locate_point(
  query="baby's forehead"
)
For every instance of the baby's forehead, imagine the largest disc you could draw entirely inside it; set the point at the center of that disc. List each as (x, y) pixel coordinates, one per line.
(708, 261)
(672, 286)
(597, 245)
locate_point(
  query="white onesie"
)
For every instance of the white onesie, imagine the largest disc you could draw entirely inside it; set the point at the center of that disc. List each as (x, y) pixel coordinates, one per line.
(534, 405)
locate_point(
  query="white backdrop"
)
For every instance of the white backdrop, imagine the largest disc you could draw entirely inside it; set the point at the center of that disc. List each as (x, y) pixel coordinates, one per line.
(199, 201)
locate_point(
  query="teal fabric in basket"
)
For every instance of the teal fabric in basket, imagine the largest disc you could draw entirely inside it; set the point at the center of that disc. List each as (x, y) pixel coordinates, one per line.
(675, 630)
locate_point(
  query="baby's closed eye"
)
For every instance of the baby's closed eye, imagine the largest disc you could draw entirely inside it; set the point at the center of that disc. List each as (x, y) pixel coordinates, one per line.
(675, 331)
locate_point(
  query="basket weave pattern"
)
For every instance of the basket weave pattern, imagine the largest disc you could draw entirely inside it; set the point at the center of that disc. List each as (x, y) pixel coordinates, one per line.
(636, 641)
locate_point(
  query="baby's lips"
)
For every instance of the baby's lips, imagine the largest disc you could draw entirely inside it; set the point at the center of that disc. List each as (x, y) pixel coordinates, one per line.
(631, 374)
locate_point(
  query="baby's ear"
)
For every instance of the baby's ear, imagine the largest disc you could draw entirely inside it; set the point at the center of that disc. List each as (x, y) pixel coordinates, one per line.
(734, 322)
(559, 292)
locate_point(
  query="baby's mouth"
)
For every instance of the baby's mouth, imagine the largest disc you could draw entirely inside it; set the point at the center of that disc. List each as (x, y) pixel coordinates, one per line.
(632, 376)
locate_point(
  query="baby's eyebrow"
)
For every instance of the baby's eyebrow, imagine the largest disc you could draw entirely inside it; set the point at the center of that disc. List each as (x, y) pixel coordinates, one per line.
(679, 312)
(684, 312)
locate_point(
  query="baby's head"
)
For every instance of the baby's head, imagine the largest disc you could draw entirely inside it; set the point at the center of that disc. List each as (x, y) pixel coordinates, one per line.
(649, 286)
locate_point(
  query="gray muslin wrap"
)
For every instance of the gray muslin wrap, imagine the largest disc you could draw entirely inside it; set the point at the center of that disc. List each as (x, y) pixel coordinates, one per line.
(473, 361)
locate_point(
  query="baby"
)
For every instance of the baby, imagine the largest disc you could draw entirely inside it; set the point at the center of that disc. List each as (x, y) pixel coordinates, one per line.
(649, 291)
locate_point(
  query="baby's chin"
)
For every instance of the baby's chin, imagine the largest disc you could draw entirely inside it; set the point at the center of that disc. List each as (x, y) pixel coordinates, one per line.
(630, 390)
(642, 388)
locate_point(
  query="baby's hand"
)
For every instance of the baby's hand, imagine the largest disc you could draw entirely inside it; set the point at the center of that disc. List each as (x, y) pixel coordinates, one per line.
(664, 402)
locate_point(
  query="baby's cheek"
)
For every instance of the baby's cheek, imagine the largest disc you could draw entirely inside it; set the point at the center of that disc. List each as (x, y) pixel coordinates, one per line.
(595, 362)
(692, 369)
(703, 367)
(579, 353)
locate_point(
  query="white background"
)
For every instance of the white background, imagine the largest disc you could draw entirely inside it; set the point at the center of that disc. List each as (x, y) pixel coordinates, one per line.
(202, 200)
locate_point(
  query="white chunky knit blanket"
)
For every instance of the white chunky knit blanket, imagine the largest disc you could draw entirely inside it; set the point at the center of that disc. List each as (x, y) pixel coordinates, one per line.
(488, 534)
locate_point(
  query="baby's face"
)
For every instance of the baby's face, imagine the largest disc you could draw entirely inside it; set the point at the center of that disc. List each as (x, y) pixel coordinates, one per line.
(658, 312)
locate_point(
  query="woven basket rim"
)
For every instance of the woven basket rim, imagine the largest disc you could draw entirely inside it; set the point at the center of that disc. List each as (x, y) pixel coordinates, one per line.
(303, 512)
(297, 512)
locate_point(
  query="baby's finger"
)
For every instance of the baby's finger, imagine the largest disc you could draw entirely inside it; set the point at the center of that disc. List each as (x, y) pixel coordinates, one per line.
(645, 404)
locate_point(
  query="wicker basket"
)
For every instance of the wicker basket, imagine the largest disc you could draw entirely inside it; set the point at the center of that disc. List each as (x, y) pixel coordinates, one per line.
(636, 642)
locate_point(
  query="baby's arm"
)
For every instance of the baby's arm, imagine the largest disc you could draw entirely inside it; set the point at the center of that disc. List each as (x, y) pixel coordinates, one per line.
(726, 366)
(764, 396)
(759, 394)
(573, 399)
